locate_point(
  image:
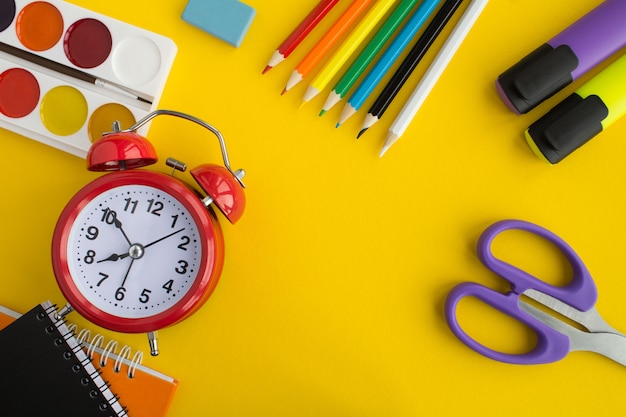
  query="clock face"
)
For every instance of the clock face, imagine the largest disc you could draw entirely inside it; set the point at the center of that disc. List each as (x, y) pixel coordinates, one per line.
(135, 252)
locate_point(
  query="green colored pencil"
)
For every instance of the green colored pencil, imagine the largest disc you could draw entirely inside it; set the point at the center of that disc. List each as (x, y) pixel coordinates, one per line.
(367, 55)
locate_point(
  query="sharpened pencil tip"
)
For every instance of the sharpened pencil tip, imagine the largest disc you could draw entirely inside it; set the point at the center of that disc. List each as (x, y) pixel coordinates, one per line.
(267, 68)
(337, 125)
(284, 91)
(361, 133)
(391, 139)
(322, 112)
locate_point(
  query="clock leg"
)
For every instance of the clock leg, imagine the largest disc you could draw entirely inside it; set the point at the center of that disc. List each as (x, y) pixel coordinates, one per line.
(67, 309)
(152, 341)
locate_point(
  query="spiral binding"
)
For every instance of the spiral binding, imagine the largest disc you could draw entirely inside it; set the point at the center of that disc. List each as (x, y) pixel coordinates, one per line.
(94, 345)
(85, 361)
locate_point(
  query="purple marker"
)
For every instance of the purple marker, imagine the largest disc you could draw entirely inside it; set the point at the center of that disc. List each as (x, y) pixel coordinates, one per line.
(557, 63)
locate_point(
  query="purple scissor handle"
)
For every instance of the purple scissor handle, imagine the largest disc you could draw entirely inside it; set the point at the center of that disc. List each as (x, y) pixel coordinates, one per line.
(551, 345)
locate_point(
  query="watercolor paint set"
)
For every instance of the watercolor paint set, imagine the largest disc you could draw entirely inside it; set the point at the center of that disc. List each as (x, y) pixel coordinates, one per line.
(67, 73)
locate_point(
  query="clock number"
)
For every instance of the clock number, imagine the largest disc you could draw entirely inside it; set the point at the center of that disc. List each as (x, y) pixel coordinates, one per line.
(120, 293)
(154, 207)
(182, 268)
(145, 297)
(90, 257)
(174, 220)
(168, 286)
(104, 276)
(108, 216)
(186, 240)
(130, 204)
(92, 233)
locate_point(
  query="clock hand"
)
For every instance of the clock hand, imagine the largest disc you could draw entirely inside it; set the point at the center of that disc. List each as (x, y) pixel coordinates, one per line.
(163, 238)
(136, 250)
(114, 257)
(118, 224)
(127, 272)
(110, 217)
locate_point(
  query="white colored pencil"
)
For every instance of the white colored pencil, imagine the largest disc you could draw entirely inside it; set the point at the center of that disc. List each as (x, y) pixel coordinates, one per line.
(439, 64)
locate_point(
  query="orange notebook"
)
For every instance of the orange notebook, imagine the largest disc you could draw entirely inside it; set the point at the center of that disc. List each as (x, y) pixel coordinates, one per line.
(143, 391)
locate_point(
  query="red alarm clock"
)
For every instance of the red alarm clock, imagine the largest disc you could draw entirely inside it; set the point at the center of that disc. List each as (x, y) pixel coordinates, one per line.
(137, 250)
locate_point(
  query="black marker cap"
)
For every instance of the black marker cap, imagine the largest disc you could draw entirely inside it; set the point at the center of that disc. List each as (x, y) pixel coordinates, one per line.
(568, 126)
(537, 77)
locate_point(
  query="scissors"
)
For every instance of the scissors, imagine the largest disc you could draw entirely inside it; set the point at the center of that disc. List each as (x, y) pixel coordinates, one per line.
(575, 301)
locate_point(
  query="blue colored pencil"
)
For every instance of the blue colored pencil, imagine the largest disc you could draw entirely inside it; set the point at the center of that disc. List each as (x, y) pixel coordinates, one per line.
(388, 58)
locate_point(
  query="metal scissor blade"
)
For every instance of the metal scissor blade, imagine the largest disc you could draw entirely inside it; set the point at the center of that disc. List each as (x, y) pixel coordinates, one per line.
(611, 345)
(590, 319)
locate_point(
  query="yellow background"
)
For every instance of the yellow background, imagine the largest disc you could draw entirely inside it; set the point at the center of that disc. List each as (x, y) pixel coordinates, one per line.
(331, 299)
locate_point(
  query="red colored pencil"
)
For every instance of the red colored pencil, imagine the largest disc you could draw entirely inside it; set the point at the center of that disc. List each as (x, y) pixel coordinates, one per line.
(300, 32)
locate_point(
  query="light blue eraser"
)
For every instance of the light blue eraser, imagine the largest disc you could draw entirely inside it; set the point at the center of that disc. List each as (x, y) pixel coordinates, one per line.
(228, 20)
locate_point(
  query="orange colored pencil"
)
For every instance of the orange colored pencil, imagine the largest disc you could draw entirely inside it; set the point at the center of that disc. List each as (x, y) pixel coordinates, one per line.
(333, 35)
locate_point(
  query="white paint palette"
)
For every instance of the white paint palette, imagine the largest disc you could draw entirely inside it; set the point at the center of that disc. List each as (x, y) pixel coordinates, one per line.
(67, 73)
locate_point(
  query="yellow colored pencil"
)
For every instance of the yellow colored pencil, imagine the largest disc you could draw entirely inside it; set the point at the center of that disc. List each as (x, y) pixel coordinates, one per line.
(360, 32)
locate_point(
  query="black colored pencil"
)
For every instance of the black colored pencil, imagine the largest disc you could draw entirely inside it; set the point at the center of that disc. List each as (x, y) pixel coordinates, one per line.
(409, 64)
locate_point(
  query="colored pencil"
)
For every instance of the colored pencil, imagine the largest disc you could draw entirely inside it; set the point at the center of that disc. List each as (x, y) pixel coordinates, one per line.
(347, 48)
(299, 33)
(349, 78)
(409, 64)
(352, 13)
(441, 61)
(389, 57)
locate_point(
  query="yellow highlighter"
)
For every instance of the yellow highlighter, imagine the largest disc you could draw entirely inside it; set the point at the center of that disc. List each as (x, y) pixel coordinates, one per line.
(581, 116)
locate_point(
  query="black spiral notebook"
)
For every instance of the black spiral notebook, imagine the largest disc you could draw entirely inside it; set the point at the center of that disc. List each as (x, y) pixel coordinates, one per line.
(45, 372)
